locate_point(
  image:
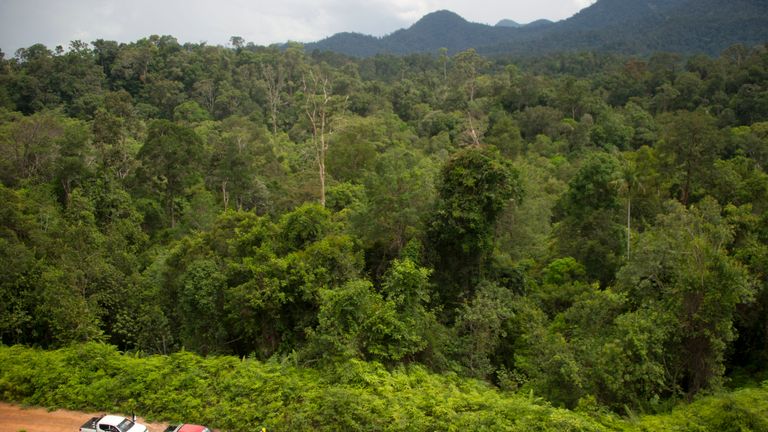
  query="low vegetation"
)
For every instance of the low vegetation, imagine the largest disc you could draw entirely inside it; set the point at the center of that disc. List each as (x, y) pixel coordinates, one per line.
(241, 394)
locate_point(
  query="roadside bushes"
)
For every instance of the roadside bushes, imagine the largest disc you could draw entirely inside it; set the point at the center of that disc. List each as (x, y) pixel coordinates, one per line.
(243, 394)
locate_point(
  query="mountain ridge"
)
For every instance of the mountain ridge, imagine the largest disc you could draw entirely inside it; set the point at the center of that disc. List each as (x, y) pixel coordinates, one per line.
(508, 23)
(622, 26)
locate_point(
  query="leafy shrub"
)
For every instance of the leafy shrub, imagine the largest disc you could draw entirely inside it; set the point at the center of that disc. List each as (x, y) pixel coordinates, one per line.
(242, 394)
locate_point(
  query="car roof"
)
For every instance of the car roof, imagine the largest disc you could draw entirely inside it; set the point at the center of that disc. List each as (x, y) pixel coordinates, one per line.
(191, 428)
(111, 420)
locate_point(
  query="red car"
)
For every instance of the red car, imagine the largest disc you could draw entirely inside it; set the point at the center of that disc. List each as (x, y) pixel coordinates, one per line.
(187, 428)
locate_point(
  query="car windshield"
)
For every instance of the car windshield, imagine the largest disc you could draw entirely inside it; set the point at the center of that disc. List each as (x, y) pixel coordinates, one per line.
(125, 425)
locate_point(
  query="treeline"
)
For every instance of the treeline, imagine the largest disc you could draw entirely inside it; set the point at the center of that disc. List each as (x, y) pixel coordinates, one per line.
(590, 228)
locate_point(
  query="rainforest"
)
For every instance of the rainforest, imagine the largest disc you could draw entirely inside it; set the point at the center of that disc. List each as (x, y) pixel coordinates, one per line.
(249, 236)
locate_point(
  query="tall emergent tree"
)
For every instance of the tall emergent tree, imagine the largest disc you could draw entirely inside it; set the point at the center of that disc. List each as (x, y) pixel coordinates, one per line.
(588, 226)
(689, 148)
(319, 106)
(171, 162)
(476, 185)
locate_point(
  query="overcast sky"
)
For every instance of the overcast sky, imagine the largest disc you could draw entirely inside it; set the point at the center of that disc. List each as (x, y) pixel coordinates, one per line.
(57, 22)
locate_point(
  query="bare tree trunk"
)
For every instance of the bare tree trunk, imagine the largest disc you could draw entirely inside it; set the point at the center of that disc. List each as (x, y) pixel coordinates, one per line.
(316, 109)
(473, 132)
(629, 219)
(224, 194)
(206, 91)
(275, 81)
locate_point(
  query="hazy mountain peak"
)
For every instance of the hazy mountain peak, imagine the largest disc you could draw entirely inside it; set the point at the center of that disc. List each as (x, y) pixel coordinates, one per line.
(538, 23)
(508, 23)
(623, 26)
(442, 18)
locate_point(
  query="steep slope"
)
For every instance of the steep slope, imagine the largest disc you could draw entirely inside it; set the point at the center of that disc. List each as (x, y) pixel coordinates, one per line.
(624, 26)
(642, 26)
(352, 44)
(538, 23)
(444, 29)
(441, 29)
(709, 26)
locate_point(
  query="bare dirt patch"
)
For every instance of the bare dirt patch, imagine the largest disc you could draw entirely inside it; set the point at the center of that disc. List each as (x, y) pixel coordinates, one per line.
(14, 418)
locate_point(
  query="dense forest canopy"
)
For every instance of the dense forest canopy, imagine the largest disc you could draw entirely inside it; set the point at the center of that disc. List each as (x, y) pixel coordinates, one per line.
(589, 227)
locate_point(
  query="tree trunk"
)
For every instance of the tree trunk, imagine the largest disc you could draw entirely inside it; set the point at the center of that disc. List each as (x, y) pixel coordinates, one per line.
(317, 111)
(629, 220)
(224, 194)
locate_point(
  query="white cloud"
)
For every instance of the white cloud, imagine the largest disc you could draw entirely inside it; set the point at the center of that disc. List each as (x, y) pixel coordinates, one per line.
(583, 3)
(57, 22)
(406, 10)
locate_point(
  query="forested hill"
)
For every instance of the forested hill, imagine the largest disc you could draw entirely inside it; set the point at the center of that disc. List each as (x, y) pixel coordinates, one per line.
(441, 29)
(622, 26)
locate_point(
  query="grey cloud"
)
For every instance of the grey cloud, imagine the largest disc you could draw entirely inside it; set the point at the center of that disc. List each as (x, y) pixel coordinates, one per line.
(55, 22)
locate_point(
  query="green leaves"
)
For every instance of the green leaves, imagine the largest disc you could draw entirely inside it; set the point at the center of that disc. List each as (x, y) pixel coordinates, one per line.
(589, 227)
(171, 159)
(688, 149)
(476, 185)
(174, 211)
(356, 320)
(242, 394)
(304, 225)
(682, 267)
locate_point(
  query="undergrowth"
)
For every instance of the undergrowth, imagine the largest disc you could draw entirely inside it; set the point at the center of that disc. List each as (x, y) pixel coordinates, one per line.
(242, 394)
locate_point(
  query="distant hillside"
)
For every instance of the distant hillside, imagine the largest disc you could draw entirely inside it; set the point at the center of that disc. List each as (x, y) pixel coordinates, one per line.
(538, 23)
(625, 26)
(515, 24)
(508, 23)
(441, 29)
(642, 26)
(353, 44)
(445, 29)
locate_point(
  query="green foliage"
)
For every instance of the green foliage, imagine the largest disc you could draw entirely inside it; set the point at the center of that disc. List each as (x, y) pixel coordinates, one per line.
(563, 280)
(160, 197)
(589, 229)
(399, 191)
(357, 142)
(171, 162)
(682, 268)
(562, 271)
(504, 134)
(242, 394)
(201, 303)
(355, 321)
(688, 149)
(738, 411)
(482, 326)
(304, 225)
(476, 185)
(524, 230)
(190, 112)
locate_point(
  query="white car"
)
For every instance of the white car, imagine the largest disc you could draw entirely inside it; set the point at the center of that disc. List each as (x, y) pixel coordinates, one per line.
(112, 423)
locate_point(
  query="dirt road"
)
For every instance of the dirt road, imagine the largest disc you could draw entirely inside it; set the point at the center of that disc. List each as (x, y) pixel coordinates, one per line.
(14, 419)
